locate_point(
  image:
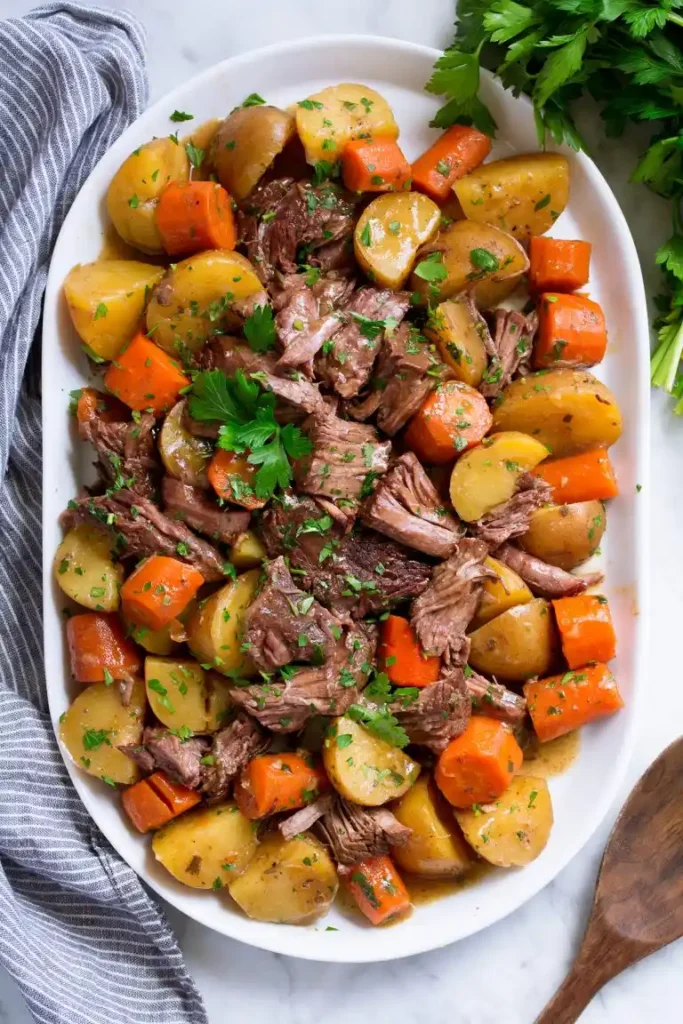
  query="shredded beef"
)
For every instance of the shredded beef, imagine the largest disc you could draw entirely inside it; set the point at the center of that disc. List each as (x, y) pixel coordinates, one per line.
(297, 398)
(437, 713)
(308, 316)
(193, 506)
(512, 517)
(543, 579)
(495, 700)
(441, 615)
(231, 749)
(141, 529)
(232, 354)
(406, 506)
(510, 349)
(355, 833)
(304, 819)
(127, 454)
(160, 750)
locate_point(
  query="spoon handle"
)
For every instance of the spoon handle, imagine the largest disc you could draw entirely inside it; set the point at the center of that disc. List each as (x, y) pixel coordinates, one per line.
(573, 996)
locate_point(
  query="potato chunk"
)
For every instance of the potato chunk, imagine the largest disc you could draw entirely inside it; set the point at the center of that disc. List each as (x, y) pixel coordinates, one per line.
(565, 535)
(326, 121)
(134, 191)
(458, 338)
(515, 829)
(487, 475)
(246, 144)
(364, 768)
(206, 848)
(85, 571)
(181, 696)
(184, 456)
(390, 231)
(518, 644)
(96, 724)
(288, 882)
(215, 629)
(247, 552)
(505, 591)
(436, 848)
(523, 194)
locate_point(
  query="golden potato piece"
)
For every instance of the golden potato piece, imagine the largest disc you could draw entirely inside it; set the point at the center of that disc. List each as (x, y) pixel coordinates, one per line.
(477, 257)
(246, 144)
(390, 231)
(184, 456)
(458, 338)
(206, 848)
(565, 535)
(288, 882)
(505, 591)
(326, 121)
(515, 829)
(247, 552)
(215, 628)
(176, 692)
(134, 191)
(523, 194)
(85, 571)
(436, 848)
(516, 645)
(96, 724)
(219, 703)
(194, 299)
(487, 475)
(106, 300)
(364, 768)
(566, 410)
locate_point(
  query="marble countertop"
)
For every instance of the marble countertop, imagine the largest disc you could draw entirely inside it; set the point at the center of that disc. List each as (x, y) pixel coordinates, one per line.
(503, 975)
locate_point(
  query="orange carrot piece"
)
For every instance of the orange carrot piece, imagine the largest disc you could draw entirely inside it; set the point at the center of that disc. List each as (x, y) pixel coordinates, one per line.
(452, 419)
(476, 767)
(232, 478)
(586, 629)
(571, 329)
(99, 651)
(378, 889)
(195, 215)
(374, 165)
(278, 782)
(156, 800)
(457, 152)
(92, 402)
(145, 377)
(560, 704)
(402, 657)
(159, 590)
(588, 476)
(558, 264)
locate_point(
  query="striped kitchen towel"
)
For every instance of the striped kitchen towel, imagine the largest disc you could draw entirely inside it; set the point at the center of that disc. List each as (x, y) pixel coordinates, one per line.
(78, 932)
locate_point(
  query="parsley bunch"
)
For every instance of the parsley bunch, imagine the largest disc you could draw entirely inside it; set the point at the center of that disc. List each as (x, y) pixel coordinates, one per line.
(247, 417)
(628, 55)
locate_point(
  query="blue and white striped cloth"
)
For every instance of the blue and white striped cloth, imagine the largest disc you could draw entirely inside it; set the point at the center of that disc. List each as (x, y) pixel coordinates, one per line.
(78, 932)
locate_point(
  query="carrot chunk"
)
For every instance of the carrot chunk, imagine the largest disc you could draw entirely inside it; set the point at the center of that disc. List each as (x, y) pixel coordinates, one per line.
(571, 330)
(558, 264)
(278, 782)
(588, 476)
(99, 651)
(402, 657)
(452, 419)
(92, 402)
(374, 165)
(195, 215)
(378, 889)
(159, 590)
(560, 704)
(232, 478)
(145, 377)
(586, 629)
(476, 767)
(156, 800)
(457, 152)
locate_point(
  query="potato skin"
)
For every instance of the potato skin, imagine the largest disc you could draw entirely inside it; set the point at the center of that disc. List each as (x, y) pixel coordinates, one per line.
(506, 591)
(121, 287)
(458, 340)
(214, 629)
(327, 120)
(516, 645)
(365, 769)
(565, 535)
(567, 410)
(436, 848)
(134, 191)
(96, 710)
(487, 475)
(523, 194)
(515, 829)
(398, 224)
(287, 882)
(245, 145)
(247, 552)
(206, 848)
(85, 571)
(184, 456)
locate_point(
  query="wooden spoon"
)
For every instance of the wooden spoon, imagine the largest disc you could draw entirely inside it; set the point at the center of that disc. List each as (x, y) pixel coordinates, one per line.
(638, 905)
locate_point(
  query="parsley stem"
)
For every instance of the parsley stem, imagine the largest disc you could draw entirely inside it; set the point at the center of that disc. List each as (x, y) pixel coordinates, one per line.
(666, 358)
(675, 18)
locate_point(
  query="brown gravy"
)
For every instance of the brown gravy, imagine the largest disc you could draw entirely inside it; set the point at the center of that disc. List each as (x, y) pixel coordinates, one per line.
(554, 757)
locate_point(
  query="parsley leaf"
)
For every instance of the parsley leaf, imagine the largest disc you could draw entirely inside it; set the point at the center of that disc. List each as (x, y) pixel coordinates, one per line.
(253, 100)
(180, 115)
(194, 154)
(432, 268)
(371, 328)
(259, 329)
(381, 722)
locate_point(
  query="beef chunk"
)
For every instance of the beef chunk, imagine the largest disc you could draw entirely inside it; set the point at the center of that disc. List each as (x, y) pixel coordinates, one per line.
(510, 349)
(231, 354)
(545, 580)
(437, 713)
(308, 317)
(355, 833)
(346, 458)
(495, 700)
(127, 454)
(284, 624)
(512, 517)
(347, 366)
(297, 398)
(161, 750)
(285, 705)
(231, 749)
(193, 506)
(141, 529)
(443, 612)
(304, 819)
(406, 506)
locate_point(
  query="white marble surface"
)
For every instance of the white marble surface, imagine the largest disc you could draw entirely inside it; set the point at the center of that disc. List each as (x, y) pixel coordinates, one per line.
(505, 974)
